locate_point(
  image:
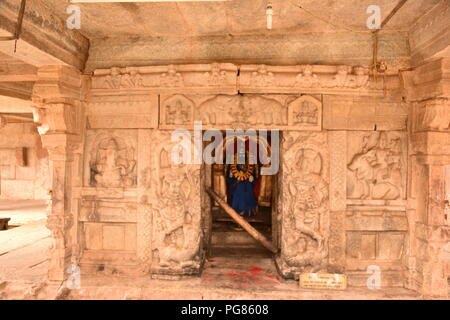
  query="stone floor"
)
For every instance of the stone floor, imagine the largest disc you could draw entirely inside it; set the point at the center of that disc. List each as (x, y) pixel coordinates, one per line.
(23, 247)
(228, 274)
(23, 211)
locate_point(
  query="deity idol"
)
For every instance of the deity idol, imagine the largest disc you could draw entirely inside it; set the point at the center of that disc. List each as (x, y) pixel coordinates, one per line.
(241, 182)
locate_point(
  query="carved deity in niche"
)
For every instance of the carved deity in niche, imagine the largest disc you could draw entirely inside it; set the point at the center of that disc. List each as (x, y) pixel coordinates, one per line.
(112, 166)
(177, 110)
(376, 168)
(305, 246)
(308, 113)
(176, 234)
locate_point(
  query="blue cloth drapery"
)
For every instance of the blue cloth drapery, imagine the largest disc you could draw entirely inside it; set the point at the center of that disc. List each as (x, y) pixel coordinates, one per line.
(240, 193)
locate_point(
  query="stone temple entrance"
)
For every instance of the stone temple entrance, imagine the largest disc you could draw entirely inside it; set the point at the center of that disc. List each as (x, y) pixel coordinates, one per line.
(250, 193)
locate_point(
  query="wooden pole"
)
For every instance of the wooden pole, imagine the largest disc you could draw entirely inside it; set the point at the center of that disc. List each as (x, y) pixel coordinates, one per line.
(242, 222)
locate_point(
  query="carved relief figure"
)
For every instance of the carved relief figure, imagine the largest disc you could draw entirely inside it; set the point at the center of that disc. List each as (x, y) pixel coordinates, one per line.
(132, 79)
(308, 113)
(305, 111)
(216, 76)
(242, 110)
(177, 110)
(112, 165)
(176, 231)
(263, 77)
(305, 245)
(171, 78)
(264, 111)
(377, 168)
(125, 78)
(345, 79)
(307, 78)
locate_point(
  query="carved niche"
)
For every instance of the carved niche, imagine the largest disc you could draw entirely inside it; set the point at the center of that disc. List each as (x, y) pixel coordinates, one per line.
(376, 167)
(305, 111)
(112, 159)
(176, 111)
(304, 196)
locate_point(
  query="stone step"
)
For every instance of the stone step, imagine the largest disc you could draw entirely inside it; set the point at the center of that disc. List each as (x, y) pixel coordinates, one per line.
(241, 252)
(233, 238)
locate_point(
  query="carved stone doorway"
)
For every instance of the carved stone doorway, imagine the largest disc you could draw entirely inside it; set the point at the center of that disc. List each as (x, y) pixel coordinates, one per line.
(227, 238)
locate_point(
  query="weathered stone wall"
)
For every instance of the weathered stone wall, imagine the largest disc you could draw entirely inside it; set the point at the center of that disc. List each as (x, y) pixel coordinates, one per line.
(345, 181)
(24, 165)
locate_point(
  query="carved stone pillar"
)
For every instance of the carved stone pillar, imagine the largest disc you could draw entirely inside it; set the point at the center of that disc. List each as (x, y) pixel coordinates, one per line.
(58, 108)
(428, 89)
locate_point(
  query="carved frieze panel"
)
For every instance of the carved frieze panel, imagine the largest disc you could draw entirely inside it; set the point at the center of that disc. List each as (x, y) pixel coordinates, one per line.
(201, 78)
(312, 79)
(363, 113)
(110, 159)
(305, 210)
(122, 112)
(284, 112)
(376, 166)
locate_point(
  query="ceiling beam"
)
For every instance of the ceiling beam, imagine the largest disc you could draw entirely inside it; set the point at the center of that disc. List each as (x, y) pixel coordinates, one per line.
(20, 90)
(44, 38)
(429, 37)
(14, 72)
(311, 48)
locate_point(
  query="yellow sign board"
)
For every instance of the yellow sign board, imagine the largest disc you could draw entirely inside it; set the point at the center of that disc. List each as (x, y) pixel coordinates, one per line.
(323, 281)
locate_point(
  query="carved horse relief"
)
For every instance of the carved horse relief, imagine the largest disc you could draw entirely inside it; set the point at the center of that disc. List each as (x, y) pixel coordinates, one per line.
(375, 169)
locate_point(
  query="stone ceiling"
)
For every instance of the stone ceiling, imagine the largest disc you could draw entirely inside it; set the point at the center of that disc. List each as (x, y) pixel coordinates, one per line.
(234, 17)
(146, 34)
